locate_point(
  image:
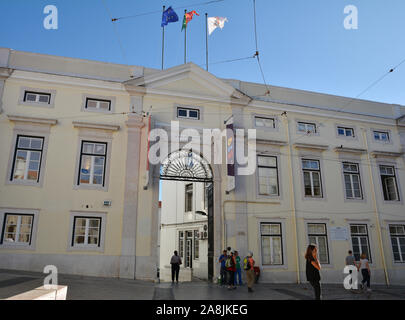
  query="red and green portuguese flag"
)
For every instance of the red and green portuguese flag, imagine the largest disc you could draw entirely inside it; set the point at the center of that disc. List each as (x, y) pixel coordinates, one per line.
(188, 16)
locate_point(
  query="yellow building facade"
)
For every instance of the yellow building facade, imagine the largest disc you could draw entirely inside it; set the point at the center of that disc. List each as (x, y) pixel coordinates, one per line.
(76, 190)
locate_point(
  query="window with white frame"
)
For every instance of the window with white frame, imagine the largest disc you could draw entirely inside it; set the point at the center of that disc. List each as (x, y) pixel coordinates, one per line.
(86, 231)
(196, 245)
(98, 104)
(181, 244)
(397, 233)
(352, 180)
(188, 113)
(17, 228)
(307, 127)
(312, 178)
(38, 97)
(389, 183)
(27, 158)
(360, 241)
(317, 234)
(264, 122)
(267, 175)
(345, 132)
(272, 243)
(188, 197)
(92, 163)
(381, 136)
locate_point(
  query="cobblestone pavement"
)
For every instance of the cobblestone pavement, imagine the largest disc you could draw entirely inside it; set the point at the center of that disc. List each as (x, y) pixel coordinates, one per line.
(95, 288)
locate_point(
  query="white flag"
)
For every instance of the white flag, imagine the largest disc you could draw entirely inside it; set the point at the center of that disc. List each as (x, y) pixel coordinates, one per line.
(215, 22)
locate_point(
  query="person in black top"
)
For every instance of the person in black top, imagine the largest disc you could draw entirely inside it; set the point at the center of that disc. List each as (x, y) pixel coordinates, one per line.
(175, 261)
(312, 270)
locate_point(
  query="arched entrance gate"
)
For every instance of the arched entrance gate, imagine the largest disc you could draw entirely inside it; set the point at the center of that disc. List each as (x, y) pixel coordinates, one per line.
(186, 165)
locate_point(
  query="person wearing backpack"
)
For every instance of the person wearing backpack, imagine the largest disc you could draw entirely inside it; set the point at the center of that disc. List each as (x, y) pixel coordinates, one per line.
(248, 265)
(230, 265)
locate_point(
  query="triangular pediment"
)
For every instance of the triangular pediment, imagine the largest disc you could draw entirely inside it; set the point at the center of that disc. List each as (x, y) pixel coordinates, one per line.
(186, 79)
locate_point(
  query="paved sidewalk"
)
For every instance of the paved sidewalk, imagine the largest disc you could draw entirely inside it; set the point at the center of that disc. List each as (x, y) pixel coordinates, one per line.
(94, 288)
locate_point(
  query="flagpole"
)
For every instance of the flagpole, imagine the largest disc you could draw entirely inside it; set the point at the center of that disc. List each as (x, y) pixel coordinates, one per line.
(163, 41)
(206, 39)
(185, 40)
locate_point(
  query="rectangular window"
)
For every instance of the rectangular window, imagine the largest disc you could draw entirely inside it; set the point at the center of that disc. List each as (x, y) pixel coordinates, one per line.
(345, 132)
(27, 158)
(317, 235)
(86, 231)
(196, 245)
(188, 113)
(352, 180)
(268, 175)
(272, 243)
(181, 244)
(306, 127)
(263, 122)
(92, 163)
(17, 228)
(381, 136)
(389, 183)
(360, 241)
(98, 104)
(397, 233)
(189, 198)
(30, 96)
(312, 178)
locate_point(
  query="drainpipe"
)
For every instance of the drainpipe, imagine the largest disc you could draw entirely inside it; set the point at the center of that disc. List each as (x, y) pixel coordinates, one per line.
(292, 198)
(377, 214)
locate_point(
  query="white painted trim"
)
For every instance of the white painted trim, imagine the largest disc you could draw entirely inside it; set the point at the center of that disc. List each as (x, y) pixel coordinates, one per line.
(26, 130)
(51, 103)
(93, 214)
(26, 119)
(101, 126)
(34, 228)
(86, 96)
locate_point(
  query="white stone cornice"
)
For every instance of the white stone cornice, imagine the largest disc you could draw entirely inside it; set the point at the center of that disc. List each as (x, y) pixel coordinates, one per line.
(271, 142)
(350, 150)
(35, 120)
(100, 126)
(135, 90)
(5, 73)
(386, 154)
(189, 70)
(311, 146)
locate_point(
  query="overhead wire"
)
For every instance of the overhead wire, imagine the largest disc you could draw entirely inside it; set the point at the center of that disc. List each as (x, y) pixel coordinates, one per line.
(160, 11)
(117, 36)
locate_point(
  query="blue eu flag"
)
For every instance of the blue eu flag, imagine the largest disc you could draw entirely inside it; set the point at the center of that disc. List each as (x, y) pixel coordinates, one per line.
(169, 16)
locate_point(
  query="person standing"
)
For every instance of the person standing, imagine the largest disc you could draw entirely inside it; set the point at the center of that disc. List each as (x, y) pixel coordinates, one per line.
(350, 261)
(312, 270)
(248, 265)
(222, 261)
(175, 261)
(365, 271)
(231, 268)
(238, 272)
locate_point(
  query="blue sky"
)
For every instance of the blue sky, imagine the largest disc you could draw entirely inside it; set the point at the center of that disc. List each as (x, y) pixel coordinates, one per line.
(302, 44)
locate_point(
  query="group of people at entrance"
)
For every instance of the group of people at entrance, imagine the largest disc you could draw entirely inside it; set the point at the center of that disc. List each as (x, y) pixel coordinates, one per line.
(313, 267)
(231, 269)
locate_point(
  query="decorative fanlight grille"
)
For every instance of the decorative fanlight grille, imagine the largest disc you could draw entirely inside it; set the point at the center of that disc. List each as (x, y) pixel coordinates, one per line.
(185, 165)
